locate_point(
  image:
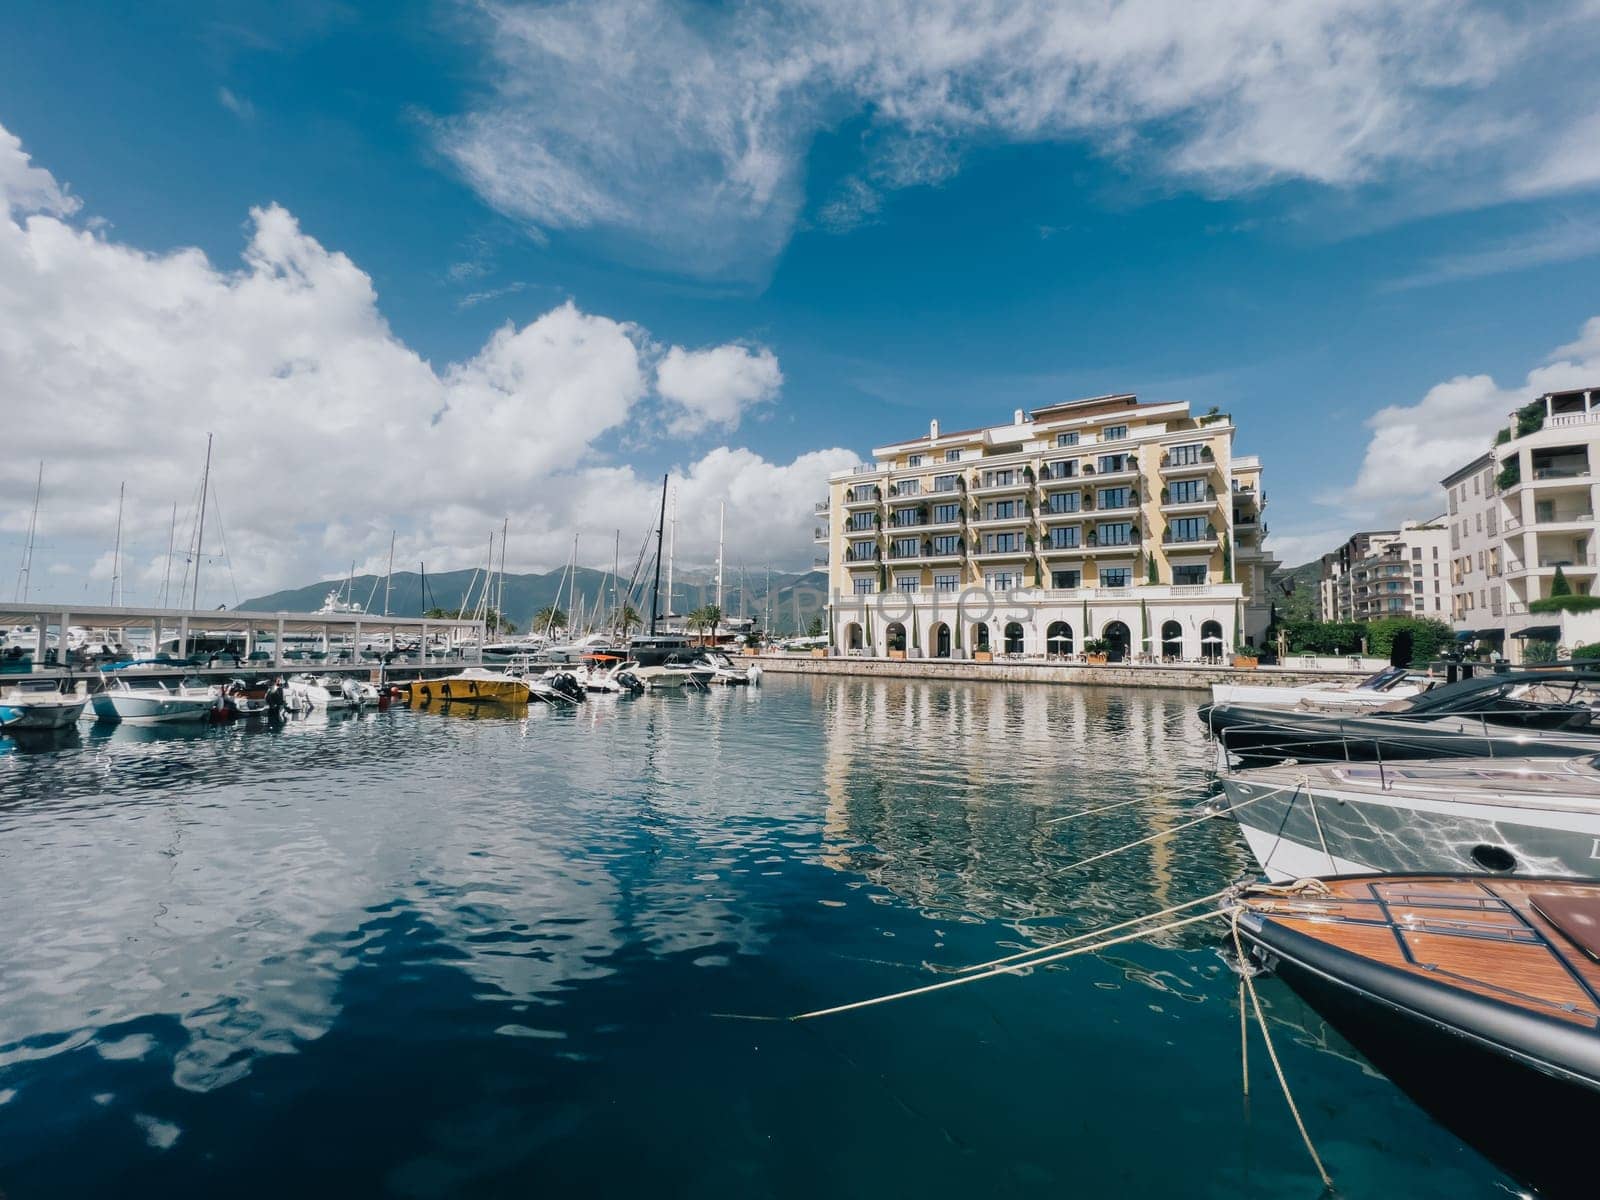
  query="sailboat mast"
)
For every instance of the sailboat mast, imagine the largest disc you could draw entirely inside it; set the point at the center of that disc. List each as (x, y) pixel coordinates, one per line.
(172, 538)
(672, 550)
(500, 592)
(200, 533)
(572, 593)
(388, 578)
(655, 592)
(116, 550)
(616, 571)
(722, 516)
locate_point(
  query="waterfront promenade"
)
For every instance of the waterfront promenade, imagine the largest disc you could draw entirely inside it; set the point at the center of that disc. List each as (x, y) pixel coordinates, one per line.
(1168, 676)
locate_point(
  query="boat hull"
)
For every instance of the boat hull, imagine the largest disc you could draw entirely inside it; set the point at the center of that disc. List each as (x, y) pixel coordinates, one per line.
(458, 689)
(1301, 831)
(149, 710)
(1514, 1085)
(40, 714)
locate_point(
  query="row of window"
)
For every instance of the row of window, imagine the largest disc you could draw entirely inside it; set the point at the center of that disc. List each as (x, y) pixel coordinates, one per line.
(1003, 581)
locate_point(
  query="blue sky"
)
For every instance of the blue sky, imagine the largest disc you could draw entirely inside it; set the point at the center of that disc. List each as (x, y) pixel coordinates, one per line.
(841, 220)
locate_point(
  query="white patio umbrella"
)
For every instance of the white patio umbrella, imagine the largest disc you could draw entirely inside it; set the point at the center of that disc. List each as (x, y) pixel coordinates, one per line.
(1211, 641)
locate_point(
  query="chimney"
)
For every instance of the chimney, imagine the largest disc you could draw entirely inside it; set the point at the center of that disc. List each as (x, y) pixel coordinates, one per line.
(933, 430)
(1016, 417)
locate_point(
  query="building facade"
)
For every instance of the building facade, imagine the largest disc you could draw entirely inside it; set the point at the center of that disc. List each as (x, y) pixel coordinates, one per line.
(1477, 595)
(1095, 519)
(1522, 510)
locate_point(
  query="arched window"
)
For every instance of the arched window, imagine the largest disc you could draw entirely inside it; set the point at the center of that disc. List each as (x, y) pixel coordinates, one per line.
(894, 637)
(1116, 633)
(1013, 638)
(1058, 639)
(852, 636)
(1211, 644)
(1171, 640)
(980, 636)
(940, 635)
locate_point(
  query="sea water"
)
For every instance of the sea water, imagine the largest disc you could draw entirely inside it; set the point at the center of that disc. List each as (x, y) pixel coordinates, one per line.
(474, 954)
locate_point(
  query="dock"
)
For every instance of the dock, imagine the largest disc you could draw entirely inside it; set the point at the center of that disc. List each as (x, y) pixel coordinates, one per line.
(273, 641)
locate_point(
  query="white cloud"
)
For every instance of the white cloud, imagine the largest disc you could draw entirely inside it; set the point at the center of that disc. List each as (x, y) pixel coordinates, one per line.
(1558, 243)
(330, 431)
(596, 108)
(236, 104)
(1414, 446)
(713, 388)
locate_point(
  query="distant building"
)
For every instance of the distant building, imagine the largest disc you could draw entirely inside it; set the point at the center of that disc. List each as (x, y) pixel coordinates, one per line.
(1093, 519)
(1387, 573)
(1477, 601)
(1520, 511)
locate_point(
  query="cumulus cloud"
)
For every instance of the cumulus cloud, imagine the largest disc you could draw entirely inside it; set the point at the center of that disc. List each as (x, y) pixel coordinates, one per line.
(714, 387)
(1413, 446)
(330, 430)
(593, 107)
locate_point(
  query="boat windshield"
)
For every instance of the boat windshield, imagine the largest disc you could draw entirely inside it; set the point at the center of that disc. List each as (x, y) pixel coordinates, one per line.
(1383, 680)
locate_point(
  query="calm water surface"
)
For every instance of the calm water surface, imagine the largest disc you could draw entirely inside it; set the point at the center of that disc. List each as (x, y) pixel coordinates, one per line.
(420, 954)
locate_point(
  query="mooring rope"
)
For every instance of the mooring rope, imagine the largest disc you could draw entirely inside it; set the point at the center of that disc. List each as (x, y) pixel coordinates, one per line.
(1200, 790)
(1156, 837)
(1165, 912)
(1013, 969)
(1272, 1053)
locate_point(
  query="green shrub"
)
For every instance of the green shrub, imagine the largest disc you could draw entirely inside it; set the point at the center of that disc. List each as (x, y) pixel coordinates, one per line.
(1592, 650)
(1510, 475)
(1559, 585)
(1530, 418)
(1324, 637)
(1429, 638)
(1566, 603)
(1538, 651)
(1501, 438)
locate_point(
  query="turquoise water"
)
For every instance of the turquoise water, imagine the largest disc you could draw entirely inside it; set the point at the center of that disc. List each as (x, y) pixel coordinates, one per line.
(421, 954)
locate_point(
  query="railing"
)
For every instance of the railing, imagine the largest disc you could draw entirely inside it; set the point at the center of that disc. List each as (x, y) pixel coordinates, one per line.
(820, 508)
(820, 561)
(1566, 420)
(1561, 472)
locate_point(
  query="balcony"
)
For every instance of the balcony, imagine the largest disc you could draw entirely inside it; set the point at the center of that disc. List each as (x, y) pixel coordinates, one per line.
(820, 563)
(1022, 551)
(1203, 504)
(1208, 541)
(1051, 550)
(1020, 482)
(872, 555)
(1093, 474)
(1021, 516)
(861, 497)
(820, 508)
(1199, 466)
(820, 536)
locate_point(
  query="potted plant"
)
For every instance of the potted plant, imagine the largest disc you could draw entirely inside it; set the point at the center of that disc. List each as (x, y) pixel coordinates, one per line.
(1095, 651)
(1245, 658)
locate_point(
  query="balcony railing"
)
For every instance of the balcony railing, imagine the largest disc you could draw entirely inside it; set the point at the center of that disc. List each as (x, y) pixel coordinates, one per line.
(820, 562)
(820, 536)
(856, 556)
(820, 508)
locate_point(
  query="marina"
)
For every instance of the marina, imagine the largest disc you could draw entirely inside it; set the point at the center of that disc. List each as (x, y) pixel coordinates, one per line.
(469, 949)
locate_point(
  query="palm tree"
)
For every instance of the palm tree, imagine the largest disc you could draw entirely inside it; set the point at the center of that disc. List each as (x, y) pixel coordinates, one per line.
(549, 617)
(706, 618)
(628, 619)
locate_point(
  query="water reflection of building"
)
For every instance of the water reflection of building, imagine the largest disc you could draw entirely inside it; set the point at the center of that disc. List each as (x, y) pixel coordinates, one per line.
(945, 794)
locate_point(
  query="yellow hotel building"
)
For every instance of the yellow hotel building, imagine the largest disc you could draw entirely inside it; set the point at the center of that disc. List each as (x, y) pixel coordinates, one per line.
(1095, 519)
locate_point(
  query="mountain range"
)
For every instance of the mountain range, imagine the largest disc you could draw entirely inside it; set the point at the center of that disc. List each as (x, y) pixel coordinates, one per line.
(794, 598)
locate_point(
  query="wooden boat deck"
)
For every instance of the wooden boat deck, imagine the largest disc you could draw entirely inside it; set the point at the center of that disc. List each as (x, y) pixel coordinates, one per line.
(1533, 944)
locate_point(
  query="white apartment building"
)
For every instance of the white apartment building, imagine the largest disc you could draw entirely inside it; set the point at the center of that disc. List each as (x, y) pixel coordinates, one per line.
(1477, 598)
(1521, 511)
(1388, 573)
(1095, 519)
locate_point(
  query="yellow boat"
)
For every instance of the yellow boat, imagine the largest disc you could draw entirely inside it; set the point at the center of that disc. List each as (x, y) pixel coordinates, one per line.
(472, 686)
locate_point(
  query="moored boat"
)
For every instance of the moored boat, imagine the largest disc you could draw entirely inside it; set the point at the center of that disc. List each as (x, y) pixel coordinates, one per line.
(1527, 816)
(1385, 687)
(39, 705)
(474, 685)
(148, 701)
(1522, 714)
(1480, 998)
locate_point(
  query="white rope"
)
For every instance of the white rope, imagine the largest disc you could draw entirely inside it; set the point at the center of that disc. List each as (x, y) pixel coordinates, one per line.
(1272, 1053)
(1014, 969)
(1199, 790)
(1165, 912)
(1156, 837)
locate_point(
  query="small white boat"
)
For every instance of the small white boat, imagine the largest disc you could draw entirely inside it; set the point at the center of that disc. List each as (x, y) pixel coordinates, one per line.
(724, 670)
(1388, 685)
(556, 687)
(142, 701)
(306, 693)
(39, 706)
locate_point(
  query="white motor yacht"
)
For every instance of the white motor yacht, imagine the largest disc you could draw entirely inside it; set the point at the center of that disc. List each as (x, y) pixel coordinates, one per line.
(325, 692)
(39, 705)
(146, 701)
(1388, 685)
